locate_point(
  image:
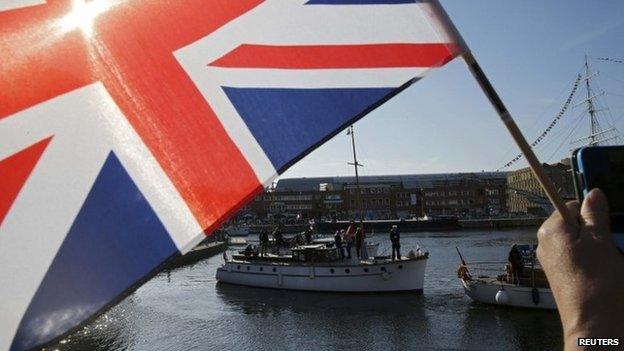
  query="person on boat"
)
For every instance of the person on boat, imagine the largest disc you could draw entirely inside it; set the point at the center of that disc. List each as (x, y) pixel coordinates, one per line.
(395, 239)
(338, 241)
(516, 262)
(308, 235)
(349, 238)
(359, 241)
(277, 236)
(583, 266)
(264, 242)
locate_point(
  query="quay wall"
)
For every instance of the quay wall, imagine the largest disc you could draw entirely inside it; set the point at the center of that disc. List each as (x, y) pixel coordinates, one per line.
(501, 222)
(407, 227)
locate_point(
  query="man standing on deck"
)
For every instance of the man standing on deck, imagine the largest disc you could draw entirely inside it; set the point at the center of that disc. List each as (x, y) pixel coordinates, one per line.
(277, 236)
(338, 241)
(359, 241)
(395, 239)
(516, 262)
(308, 235)
(264, 242)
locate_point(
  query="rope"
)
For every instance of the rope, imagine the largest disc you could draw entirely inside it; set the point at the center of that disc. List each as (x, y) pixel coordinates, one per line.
(551, 125)
(609, 59)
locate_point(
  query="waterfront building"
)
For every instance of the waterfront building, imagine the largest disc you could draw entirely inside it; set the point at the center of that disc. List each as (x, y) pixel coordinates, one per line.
(525, 194)
(465, 195)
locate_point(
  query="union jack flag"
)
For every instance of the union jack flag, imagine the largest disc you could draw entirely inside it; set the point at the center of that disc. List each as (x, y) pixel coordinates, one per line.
(129, 130)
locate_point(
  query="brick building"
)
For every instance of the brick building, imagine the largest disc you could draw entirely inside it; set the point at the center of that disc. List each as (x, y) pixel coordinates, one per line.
(386, 197)
(526, 195)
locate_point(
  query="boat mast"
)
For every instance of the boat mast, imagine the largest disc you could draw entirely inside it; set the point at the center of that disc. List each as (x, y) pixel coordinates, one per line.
(356, 164)
(594, 126)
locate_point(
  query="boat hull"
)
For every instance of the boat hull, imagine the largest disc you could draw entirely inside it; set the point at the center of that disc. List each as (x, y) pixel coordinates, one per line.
(404, 275)
(517, 296)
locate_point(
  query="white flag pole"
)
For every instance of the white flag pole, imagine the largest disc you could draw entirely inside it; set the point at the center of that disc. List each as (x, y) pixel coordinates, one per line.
(505, 116)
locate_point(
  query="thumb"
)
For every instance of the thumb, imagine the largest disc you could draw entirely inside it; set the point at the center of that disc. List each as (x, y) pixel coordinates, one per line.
(595, 212)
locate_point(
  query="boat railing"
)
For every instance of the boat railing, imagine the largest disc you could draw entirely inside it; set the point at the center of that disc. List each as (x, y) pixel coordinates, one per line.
(486, 266)
(501, 270)
(482, 269)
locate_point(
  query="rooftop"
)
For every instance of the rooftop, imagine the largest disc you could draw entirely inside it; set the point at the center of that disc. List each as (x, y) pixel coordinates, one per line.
(407, 180)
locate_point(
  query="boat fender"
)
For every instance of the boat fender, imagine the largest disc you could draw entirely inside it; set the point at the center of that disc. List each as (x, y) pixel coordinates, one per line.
(385, 275)
(535, 295)
(502, 297)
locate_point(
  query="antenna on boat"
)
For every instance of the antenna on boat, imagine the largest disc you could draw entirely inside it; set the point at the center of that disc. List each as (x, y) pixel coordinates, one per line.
(355, 165)
(505, 116)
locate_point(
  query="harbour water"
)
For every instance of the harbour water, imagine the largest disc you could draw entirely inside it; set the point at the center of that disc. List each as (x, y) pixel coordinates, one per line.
(185, 309)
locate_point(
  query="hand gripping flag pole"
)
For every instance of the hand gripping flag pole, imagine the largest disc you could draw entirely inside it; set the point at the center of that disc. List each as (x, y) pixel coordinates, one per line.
(505, 116)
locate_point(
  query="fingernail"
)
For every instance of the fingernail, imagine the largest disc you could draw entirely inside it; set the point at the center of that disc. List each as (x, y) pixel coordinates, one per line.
(597, 200)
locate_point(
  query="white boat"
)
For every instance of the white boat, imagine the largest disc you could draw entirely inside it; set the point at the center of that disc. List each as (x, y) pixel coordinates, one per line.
(495, 292)
(493, 282)
(319, 268)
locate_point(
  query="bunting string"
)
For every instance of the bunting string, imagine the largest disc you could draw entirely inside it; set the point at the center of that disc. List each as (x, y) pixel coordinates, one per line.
(551, 125)
(609, 59)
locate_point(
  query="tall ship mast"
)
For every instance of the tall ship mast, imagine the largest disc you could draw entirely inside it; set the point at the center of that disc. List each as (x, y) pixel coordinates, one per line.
(597, 134)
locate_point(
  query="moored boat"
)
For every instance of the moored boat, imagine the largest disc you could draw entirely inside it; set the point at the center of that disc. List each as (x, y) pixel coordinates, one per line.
(496, 283)
(321, 268)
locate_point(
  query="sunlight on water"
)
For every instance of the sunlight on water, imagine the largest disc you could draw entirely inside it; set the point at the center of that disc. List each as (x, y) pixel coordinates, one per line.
(185, 309)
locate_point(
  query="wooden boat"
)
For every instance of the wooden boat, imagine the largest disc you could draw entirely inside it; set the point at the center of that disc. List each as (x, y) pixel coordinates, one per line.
(321, 268)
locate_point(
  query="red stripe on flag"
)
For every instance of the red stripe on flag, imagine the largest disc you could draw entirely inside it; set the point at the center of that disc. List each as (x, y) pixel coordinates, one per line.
(338, 56)
(14, 172)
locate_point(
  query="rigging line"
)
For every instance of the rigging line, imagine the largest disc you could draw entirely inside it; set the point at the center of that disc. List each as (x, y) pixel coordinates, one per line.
(602, 103)
(615, 79)
(556, 137)
(552, 124)
(578, 123)
(511, 150)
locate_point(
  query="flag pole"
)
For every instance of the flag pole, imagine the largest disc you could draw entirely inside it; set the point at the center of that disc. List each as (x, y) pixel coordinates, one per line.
(505, 116)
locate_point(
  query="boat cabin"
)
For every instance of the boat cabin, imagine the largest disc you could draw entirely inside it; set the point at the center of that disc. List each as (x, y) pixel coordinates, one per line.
(315, 253)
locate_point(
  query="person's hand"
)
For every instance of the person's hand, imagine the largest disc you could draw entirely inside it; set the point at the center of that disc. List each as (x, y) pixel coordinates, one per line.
(585, 271)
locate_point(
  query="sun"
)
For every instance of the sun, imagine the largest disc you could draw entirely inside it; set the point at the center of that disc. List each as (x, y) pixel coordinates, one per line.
(83, 14)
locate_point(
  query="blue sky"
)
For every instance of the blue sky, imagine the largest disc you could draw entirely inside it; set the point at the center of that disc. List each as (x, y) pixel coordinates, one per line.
(531, 51)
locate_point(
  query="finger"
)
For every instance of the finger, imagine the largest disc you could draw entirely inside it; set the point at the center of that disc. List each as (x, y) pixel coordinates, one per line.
(595, 213)
(556, 228)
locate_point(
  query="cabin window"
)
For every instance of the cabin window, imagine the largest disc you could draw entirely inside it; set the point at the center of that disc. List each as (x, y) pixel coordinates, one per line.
(366, 270)
(383, 269)
(400, 266)
(347, 270)
(248, 267)
(274, 269)
(237, 267)
(331, 271)
(261, 269)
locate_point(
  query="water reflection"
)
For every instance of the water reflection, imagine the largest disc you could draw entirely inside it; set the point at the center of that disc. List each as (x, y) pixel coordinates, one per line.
(186, 309)
(308, 319)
